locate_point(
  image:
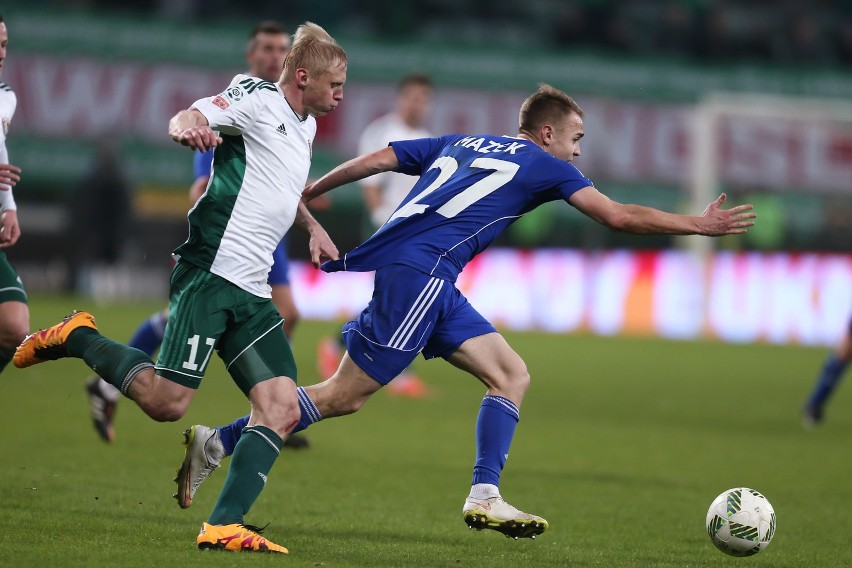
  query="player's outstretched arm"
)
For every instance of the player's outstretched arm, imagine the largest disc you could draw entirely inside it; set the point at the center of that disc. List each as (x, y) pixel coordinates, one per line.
(320, 244)
(637, 219)
(357, 168)
(9, 176)
(190, 128)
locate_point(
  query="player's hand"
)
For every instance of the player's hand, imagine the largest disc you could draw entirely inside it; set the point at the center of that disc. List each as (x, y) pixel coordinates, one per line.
(198, 138)
(321, 247)
(717, 221)
(9, 176)
(10, 231)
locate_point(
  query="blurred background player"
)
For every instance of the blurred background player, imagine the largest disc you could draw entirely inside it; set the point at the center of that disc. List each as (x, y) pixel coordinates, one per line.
(14, 313)
(267, 48)
(832, 371)
(384, 192)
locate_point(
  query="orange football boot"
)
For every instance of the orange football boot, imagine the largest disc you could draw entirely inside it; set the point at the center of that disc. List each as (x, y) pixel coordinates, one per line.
(240, 538)
(49, 344)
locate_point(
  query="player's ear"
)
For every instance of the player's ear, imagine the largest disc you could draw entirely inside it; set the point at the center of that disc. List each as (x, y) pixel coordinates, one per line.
(301, 75)
(546, 133)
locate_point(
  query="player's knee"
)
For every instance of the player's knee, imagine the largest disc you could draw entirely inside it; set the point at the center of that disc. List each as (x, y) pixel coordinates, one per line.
(513, 381)
(281, 415)
(166, 412)
(13, 332)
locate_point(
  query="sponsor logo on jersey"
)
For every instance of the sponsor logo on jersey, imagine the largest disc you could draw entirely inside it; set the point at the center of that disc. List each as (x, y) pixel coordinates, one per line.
(310, 150)
(235, 94)
(5, 126)
(281, 129)
(220, 102)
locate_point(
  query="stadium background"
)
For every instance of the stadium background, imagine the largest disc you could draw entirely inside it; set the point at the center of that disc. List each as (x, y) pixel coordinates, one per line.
(98, 82)
(624, 441)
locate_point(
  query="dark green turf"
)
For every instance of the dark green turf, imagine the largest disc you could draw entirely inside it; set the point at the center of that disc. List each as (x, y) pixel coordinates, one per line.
(622, 445)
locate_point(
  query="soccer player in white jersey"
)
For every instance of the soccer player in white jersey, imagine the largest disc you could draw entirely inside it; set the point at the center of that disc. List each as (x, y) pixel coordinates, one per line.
(470, 189)
(220, 298)
(14, 313)
(268, 45)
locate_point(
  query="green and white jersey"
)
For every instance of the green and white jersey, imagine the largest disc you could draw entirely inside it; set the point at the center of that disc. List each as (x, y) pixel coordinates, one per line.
(8, 104)
(259, 172)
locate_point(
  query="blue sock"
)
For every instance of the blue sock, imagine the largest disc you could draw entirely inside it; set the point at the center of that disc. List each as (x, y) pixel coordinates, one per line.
(230, 433)
(149, 335)
(495, 428)
(827, 381)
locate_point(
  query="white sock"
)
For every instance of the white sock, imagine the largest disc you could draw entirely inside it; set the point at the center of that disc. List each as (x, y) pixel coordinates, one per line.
(483, 491)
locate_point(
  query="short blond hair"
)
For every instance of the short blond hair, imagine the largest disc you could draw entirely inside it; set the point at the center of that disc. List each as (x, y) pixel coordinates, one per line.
(548, 105)
(313, 49)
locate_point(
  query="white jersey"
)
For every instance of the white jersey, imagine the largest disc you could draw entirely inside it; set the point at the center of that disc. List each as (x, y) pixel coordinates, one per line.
(393, 186)
(259, 172)
(8, 104)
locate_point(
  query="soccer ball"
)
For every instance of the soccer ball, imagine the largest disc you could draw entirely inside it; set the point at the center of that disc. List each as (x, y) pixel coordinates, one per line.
(741, 522)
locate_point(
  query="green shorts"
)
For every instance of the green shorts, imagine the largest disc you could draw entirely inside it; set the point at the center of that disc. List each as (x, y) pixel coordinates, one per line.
(207, 312)
(11, 287)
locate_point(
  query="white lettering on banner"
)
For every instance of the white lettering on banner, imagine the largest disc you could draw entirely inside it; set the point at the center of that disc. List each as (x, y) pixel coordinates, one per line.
(85, 98)
(736, 303)
(790, 289)
(611, 276)
(833, 298)
(324, 296)
(678, 295)
(780, 298)
(499, 285)
(558, 286)
(82, 100)
(759, 152)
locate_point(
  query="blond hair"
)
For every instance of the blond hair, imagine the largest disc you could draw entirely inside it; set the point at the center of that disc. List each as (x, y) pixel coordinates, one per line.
(313, 49)
(548, 105)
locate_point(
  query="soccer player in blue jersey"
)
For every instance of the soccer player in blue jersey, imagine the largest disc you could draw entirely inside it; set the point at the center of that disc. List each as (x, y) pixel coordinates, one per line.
(828, 379)
(471, 188)
(267, 48)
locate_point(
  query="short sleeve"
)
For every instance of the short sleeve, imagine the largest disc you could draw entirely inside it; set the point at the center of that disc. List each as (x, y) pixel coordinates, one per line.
(415, 156)
(234, 110)
(202, 163)
(554, 175)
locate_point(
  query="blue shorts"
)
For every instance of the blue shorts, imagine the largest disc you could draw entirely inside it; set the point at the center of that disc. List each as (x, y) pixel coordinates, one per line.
(410, 312)
(279, 274)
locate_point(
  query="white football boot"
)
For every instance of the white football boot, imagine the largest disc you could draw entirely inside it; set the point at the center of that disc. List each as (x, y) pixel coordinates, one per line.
(495, 514)
(204, 452)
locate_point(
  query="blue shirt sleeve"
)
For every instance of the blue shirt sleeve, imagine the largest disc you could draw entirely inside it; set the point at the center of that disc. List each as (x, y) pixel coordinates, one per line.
(416, 155)
(202, 163)
(562, 177)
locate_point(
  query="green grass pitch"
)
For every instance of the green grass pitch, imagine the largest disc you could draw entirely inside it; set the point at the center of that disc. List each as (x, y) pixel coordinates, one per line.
(622, 445)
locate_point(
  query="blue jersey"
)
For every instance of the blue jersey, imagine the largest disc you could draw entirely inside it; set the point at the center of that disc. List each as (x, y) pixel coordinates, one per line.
(470, 189)
(202, 163)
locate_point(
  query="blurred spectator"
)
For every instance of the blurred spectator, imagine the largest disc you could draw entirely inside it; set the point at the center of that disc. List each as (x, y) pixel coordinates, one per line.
(100, 213)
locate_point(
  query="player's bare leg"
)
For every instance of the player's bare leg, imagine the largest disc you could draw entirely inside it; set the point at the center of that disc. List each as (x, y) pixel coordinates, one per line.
(490, 359)
(14, 327)
(282, 297)
(126, 368)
